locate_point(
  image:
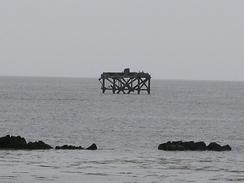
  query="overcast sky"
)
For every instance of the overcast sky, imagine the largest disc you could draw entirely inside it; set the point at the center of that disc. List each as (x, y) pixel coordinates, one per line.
(173, 39)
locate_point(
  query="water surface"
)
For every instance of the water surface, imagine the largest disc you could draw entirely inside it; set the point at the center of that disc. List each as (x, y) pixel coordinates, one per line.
(127, 129)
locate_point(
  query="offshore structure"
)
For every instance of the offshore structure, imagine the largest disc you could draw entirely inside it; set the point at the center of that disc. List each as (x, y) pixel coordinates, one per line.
(126, 82)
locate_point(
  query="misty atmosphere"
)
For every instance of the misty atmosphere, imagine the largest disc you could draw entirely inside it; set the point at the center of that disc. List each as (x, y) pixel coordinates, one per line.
(196, 40)
(121, 91)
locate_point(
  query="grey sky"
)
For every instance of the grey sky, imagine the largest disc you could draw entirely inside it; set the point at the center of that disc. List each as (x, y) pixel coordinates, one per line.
(174, 39)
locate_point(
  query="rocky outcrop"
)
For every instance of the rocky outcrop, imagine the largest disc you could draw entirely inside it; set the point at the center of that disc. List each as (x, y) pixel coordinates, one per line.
(192, 146)
(17, 142)
(213, 146)
(92, 147)
(38, 145)
(71, 147)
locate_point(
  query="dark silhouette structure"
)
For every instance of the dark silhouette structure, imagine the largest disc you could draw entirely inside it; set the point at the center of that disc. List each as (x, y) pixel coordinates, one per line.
(125, 82)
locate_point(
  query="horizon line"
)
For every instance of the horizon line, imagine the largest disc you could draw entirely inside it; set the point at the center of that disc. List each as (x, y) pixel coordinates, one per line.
(82, 77)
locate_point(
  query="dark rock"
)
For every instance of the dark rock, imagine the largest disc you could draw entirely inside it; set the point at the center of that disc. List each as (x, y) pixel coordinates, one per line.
(38, 145)
(92, 147)
(12, 142)
(69, 147)
(180, 146)
(200, 146)
(213, 146)
(189, 146)
(17, 142)
(192, 146)
(163, 146)
(175, 147)
(226, 148)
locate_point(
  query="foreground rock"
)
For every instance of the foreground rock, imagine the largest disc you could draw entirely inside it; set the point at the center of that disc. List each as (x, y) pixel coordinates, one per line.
(192, 146)
(17, 142)
(71, 147)
(213, 146)
(92, 147)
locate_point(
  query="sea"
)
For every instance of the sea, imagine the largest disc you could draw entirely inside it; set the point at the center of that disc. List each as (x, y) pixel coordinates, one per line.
(126, 128)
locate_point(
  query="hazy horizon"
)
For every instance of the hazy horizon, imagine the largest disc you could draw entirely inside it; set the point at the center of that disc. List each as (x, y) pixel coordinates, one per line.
(96, 78)
(172, 40)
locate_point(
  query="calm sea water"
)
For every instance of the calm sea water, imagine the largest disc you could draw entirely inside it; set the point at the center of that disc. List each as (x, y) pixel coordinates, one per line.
(127, 129)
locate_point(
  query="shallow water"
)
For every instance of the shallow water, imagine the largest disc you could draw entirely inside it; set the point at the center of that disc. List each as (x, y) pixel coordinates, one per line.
(127, 129)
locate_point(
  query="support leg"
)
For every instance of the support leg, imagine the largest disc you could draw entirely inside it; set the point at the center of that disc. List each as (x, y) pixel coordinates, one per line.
(139, 87)
(149, 86)
(103, 87)
(113, 86)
